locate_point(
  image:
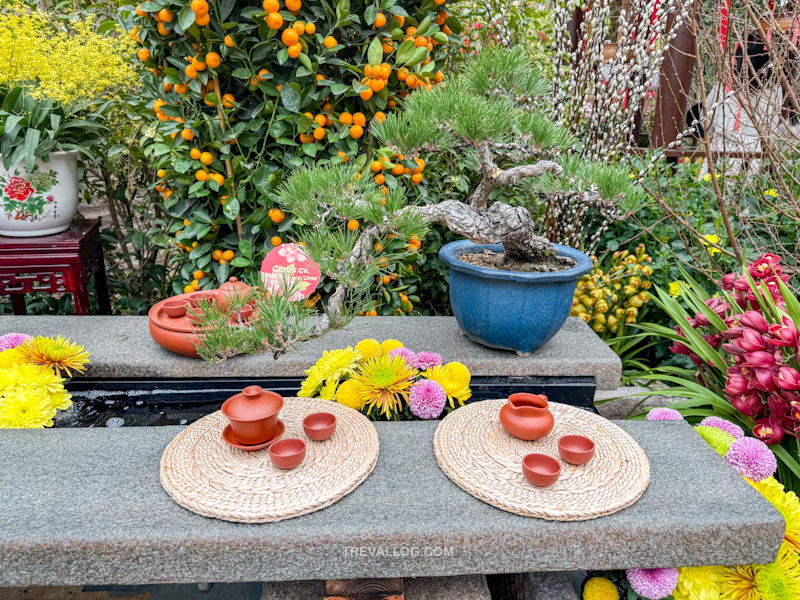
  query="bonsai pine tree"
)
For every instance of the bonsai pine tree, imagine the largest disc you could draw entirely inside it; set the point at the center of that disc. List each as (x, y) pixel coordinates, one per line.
(487, 112)
(358, 231)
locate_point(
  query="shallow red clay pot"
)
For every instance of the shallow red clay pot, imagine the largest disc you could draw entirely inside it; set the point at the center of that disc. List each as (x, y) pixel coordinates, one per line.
(287, 453)
(231, 291)
(319, 426)
(253, 414)
(576, 449)
(175, 334)
(541, 470)
(527, 416)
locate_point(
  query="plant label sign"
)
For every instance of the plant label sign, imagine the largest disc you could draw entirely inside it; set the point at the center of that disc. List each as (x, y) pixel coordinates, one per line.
(288, 267)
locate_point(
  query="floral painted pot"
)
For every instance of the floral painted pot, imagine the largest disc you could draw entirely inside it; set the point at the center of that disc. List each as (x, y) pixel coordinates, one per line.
(42, 202)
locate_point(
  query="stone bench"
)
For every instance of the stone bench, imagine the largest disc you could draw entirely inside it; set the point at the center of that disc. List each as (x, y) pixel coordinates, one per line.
(121, 347)
(85, 506)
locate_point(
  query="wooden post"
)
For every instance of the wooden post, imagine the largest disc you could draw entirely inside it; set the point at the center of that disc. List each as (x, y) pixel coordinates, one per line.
(364, 589)
(673, 85)
(228, 166)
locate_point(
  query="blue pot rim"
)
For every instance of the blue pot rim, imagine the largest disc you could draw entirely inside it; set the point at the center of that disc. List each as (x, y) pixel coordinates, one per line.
(449, 253)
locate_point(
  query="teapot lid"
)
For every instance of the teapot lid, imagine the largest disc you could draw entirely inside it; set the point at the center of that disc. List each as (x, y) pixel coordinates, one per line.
(253, 404)
(234, 284)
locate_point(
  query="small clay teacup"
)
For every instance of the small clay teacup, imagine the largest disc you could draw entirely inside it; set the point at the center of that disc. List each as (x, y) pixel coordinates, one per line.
(541, 470)
(319, 426)
(195, 317)
(287, 453)
(246, 312)
(175, 308)
(205, 297)
(576, 449)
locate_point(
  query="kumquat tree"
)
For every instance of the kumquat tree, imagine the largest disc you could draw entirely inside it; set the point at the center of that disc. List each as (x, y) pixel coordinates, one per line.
(242, 94)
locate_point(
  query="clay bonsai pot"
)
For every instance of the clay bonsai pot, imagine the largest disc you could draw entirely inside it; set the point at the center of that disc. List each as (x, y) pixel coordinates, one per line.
(175, 308)
(527, 416)
(487, 303)
(287, 454)
(319, 426)
(576, 449)
(541, 470)
(231, 291)
(253, 414)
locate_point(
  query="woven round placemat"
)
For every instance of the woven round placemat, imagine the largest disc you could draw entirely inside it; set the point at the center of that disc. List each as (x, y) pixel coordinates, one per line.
(205, 475)
(474, 450)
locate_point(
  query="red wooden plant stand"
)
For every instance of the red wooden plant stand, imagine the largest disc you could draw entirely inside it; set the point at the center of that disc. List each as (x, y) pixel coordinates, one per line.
(58, 263)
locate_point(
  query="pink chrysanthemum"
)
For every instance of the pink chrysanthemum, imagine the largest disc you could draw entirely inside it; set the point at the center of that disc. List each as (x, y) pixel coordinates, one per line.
(726, 426)
(12, 340)
(427, 399)
(653, 584)
(662, 413)
(752, 458)
(427, 360)
(406, 354)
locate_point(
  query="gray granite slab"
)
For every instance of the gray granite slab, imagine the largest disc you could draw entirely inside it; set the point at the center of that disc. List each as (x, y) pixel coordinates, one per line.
(85, 506)
(466, 587)
(121, 347)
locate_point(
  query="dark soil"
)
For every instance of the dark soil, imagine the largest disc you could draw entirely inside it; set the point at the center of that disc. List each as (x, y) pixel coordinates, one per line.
(497, 261)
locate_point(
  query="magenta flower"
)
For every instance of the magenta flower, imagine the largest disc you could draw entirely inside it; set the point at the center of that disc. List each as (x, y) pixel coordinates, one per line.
(765, 266)
(785, 334)
(759, 360)
(427, 399)
(727, 281)
(736, 385)
(754, 320)
(406, 354)
(653, 584)
(724, 425)
(752, 459)
(787, 379)
(426, 360)
(769, 430)
(752, 341)
(662, 413)
(748, 404)
(12, 340)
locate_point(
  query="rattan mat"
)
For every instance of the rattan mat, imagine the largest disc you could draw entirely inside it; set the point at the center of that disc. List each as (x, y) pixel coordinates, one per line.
(207, 476)
(474, 450)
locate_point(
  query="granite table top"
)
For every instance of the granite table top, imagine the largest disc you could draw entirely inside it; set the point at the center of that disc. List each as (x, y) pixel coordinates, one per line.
(85, 506)
(121, 347)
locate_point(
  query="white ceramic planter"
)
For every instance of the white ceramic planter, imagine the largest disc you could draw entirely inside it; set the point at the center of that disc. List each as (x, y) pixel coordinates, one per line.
(42, 202)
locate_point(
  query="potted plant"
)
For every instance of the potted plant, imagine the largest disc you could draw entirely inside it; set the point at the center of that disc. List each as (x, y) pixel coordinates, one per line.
(51, 113)
(509, 287)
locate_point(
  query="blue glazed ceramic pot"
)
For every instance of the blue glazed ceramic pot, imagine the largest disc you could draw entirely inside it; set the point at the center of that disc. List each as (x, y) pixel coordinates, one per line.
(508, 310)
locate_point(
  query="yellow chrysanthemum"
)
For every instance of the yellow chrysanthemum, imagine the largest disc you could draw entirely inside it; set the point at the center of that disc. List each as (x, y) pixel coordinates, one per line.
(338, 363)
(311, 383)
(389, 345)
(779, 580)
(58, 354)
(454, 379)
(600, 588)
(383, 383)
(10, 357)
(675, 289)
(328, 391)
(786, 503)
(368, 349)
(699, 583)
(25, 409)
(348, 395)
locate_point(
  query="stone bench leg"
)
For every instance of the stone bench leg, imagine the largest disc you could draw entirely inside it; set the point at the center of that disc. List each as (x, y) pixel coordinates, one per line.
(364, 589)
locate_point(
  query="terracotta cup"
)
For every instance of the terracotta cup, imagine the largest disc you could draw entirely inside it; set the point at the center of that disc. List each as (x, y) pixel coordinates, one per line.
(253, 414)
(204, 297)
(287, 453)
(576, 449)
(195, 317)
(175, 308)
(540, 469)
(246, 312)
(527, 416)
(319, 426)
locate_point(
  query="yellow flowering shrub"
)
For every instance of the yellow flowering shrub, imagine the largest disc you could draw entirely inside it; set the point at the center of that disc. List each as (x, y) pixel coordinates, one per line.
(64, 65)
(611, 296)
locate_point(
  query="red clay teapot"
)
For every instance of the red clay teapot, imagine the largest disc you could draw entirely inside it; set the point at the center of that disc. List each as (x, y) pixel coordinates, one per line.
(231, 291)
(253, 414)
(527, 416)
